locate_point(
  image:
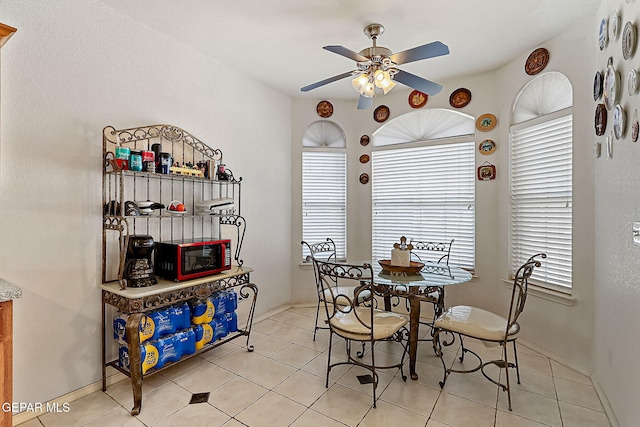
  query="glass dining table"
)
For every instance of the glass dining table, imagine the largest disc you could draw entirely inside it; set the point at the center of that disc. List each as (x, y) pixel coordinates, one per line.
(432, 278)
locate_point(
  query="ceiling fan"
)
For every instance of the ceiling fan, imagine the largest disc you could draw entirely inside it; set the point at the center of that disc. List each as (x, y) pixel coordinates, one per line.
(376, 68)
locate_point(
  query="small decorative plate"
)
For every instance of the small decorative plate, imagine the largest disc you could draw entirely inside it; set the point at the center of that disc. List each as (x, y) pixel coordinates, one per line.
(364, 140)
(603, 38)
(628, 40)
(601, 119)
(487, 146)
(619, 122)
(632, 81)
(614, 25)
(417, 99)
(460, 98)
(597, 85)
(611, 86)
(364, 158)
(635, 127)
(486, 122)
(324, 109)
(381, 113)
(364, 178)
(537, 60)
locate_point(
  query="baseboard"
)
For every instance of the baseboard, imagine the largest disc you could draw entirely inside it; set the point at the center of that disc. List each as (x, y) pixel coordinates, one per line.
(605, 402)
(23, 417)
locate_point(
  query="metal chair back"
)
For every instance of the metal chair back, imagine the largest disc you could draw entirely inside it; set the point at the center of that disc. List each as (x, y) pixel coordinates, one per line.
(431, 251)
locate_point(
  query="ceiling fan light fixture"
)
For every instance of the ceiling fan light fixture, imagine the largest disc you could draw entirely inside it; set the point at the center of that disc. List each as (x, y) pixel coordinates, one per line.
(391, 84)
(360, 82)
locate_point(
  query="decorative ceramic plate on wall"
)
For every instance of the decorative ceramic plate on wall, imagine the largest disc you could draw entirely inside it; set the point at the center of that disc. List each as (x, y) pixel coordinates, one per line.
(364, 140)
(487, 146)
(381, 113)
(635, 127)
(601, 119)
(611, 86)
(632, 82)
(628, 40)
(364, 158)
(460, 98)
(364, 178)
(619, 122)
(603, 37)
(417, 99)
(486, 122)
(324, 109)
(537, 60)
(597, 85)
(614, 25)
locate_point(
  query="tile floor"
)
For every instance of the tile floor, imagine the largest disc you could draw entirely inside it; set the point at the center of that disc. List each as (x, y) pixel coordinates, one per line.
(282, 383)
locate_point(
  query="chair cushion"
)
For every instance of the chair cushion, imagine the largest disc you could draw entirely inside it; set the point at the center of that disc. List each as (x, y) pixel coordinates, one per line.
(385, 324)
(475, 322)
(331, 293)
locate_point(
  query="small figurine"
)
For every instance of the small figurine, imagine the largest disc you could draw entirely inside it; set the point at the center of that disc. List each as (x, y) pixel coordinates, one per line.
(401, 253)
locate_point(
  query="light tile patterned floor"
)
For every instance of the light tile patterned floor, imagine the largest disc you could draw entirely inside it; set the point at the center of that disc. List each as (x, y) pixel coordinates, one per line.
(282, 383)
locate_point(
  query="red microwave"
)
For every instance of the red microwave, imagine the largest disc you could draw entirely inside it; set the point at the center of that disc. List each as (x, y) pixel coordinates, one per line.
(190, 259)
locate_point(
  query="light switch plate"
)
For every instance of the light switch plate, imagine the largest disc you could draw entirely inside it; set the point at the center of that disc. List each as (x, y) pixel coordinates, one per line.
(636, 233)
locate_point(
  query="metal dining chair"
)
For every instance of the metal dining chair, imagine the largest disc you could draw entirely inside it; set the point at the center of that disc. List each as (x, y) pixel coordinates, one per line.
(326, 251)
(358, 321)
(473, 322)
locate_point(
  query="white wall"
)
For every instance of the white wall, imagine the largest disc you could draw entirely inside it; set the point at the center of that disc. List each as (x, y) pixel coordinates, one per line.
(617, 205)
(73, 68)
(560, 330)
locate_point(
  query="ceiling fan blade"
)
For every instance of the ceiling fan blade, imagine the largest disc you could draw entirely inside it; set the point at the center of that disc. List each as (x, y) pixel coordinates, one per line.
(364, 102)
(326, 81)
(341, 50)
(415, 82)
(425, 51)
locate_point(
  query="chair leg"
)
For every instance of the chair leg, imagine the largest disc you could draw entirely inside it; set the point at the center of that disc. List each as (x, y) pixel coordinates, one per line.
(461, 348)
(506, 370)
(373, 370)
(326, 383)
(515, 356)
(315, 329)
(437, 348)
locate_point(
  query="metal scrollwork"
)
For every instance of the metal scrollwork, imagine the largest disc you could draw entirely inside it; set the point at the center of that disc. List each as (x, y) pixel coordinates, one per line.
(241, 226)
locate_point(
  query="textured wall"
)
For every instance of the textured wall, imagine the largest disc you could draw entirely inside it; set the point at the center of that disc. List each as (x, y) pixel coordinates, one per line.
(73, 68)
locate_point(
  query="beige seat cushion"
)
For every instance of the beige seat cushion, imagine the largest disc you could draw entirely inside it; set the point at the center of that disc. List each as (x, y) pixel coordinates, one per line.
(385, 324)
(475, 322)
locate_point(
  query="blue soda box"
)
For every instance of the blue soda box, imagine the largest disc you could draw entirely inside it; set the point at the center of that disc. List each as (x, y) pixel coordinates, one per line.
(231, 301)
(182, 314)
(219, 302)
(219, 326)
(204, 335)
(232, 322)
(147, 328)
(202, 311)
(172, 348)
(164, 321)
(148, 355)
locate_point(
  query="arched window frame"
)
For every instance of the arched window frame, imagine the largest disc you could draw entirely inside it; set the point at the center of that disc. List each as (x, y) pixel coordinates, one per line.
(324, 185)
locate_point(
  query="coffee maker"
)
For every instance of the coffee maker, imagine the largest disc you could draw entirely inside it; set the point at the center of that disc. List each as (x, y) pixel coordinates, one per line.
(138, 266)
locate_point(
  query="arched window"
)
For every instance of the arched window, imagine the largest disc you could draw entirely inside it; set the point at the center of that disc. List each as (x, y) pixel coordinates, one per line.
(423, 182)
(541, 183)
(324, 185)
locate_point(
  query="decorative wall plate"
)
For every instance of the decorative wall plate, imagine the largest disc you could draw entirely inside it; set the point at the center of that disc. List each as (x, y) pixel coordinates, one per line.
(486, 122)
(537, 60)
(381, 113)
(603, 37)
(611, 86)
(460, 98)
(417, 99)
(364, 178)
(614, 25)
(597, 85)
(324, 109)
(601, 119)
(364, 158)
(635, 127)
(364, 140)
(628, 40)
(632, 81)
(486, 172)
(619, 122)
(487, 146)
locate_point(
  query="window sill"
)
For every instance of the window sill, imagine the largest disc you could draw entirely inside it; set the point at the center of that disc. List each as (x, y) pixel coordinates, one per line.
(549, 295)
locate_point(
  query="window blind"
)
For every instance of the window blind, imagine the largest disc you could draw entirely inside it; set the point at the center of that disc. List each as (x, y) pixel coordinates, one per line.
(426, 193)
(324, 199)
(541, 199)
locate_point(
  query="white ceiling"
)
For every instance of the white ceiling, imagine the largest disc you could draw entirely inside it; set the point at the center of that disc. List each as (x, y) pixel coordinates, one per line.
(279, 42)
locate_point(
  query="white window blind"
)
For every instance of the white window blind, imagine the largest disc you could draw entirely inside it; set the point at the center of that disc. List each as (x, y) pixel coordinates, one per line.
(426, 193)
(541, 198)
(324, 199)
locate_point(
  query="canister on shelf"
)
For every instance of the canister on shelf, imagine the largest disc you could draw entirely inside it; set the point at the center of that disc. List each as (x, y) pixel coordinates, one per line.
(165, 162)
(148, 161)
(122, 157)
(135, 161)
